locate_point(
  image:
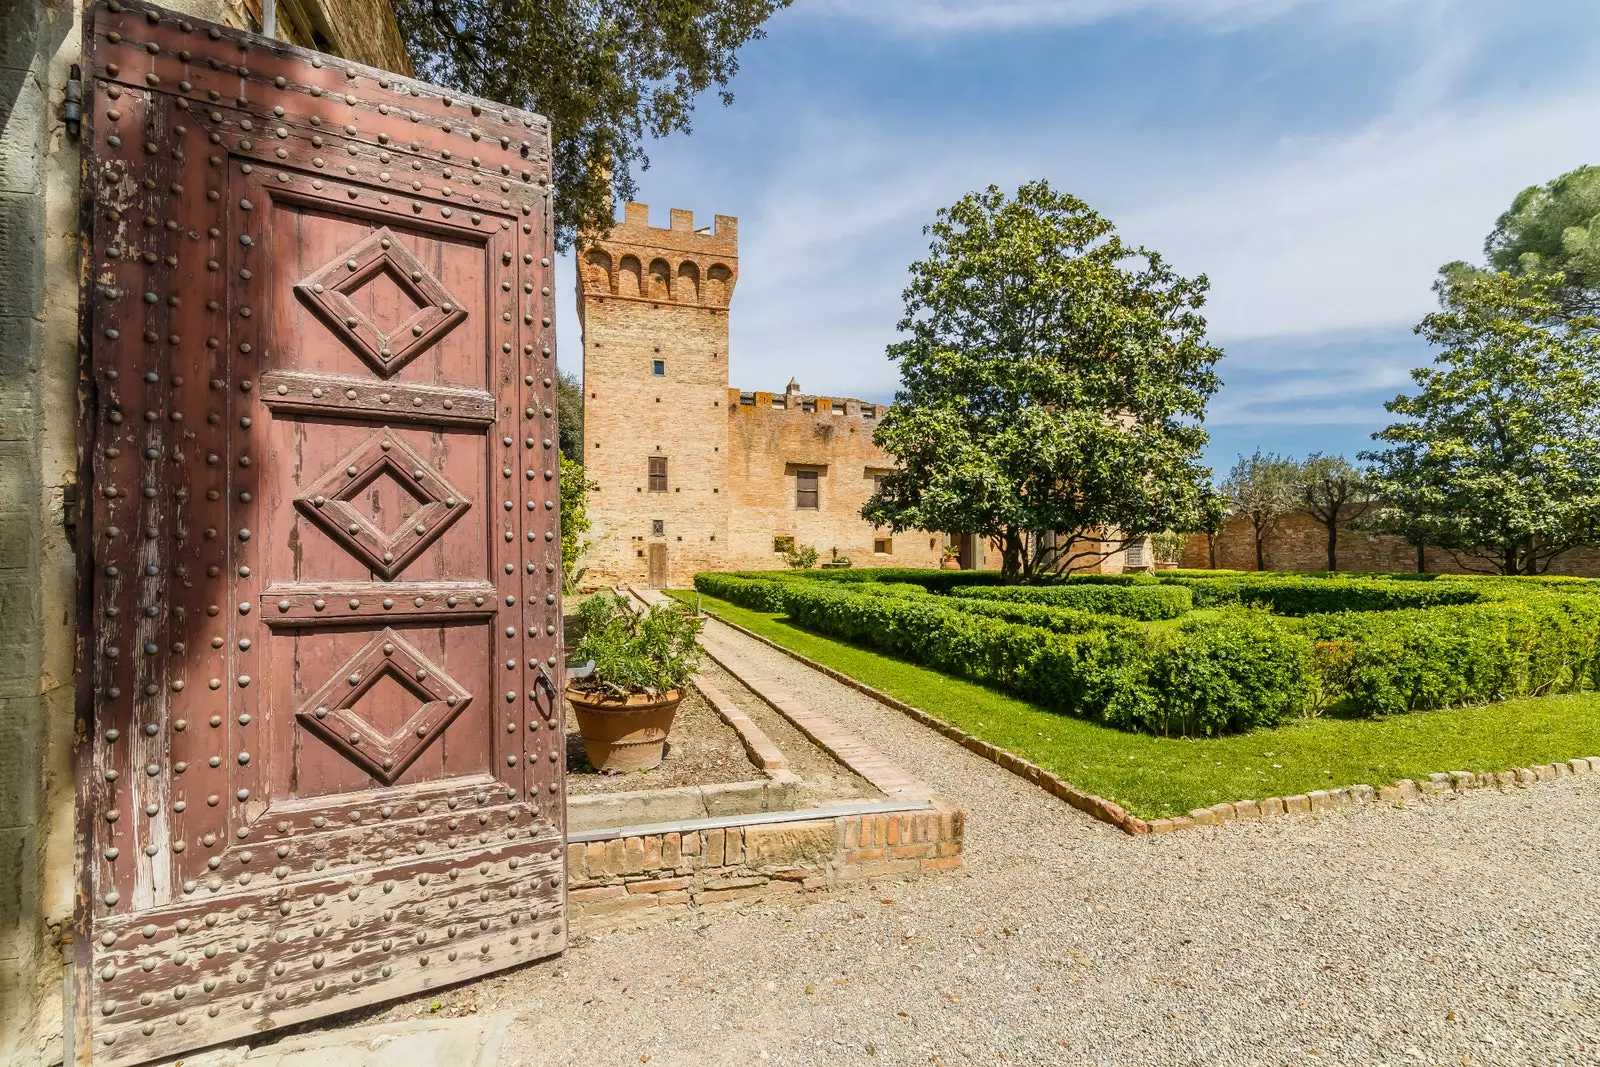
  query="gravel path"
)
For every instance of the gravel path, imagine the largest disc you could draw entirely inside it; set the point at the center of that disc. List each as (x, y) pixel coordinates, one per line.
(1457, 932)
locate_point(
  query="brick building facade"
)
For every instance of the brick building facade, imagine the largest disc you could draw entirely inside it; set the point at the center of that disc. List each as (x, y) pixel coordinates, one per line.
(693, 475)
(1300, 543)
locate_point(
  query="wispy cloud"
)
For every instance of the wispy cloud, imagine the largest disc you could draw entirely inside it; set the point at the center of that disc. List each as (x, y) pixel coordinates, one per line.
(1320, 226)
(944, 15)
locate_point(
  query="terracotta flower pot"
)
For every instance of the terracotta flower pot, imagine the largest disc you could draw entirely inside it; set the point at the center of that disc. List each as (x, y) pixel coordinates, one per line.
(624, 735)
(951, 563)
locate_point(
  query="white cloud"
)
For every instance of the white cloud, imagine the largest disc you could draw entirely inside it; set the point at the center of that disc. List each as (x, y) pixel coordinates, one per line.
(1307, 236)
(1335, 233)
(948, 15)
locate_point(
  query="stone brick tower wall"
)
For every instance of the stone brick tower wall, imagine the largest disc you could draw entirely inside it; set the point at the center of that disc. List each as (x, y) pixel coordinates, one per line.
(772, 438)
(649, 294)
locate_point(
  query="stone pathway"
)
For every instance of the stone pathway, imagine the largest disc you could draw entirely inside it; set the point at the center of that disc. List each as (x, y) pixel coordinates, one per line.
(1457, 931)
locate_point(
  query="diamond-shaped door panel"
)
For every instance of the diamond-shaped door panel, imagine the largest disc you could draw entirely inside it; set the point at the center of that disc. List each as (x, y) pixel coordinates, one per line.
(329, 502)
(383, 261)
(333, 714)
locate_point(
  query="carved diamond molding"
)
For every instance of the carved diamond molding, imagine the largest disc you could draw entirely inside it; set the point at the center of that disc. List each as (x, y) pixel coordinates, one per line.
(331, 712)
(328, 503)
(329, 290)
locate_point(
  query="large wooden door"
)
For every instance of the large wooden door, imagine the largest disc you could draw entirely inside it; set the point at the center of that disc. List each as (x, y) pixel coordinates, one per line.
(320, 753)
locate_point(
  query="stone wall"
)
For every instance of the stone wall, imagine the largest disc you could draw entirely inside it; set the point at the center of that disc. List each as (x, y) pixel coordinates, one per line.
(646, 294)
(40, 40)
(768, 444)
(1300, 543)
(650, 293)
(633, 876)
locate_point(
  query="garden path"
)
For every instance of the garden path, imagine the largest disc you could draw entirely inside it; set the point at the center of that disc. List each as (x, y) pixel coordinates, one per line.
(1458, 931)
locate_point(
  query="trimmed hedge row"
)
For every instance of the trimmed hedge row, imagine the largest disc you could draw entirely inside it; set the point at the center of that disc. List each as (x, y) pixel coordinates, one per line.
(1294, 595)
(769, 593)
(757, 594)
(1236, 668)
(1237, 672)
(1144, 602)
(1408, 660)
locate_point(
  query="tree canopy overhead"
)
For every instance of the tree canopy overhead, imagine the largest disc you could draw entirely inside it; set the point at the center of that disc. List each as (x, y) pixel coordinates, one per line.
(1498, 456)
(1555, 228)
(606, 73)
(1053, 384)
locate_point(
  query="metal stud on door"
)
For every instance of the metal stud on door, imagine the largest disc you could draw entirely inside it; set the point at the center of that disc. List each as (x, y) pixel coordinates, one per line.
(320, 758)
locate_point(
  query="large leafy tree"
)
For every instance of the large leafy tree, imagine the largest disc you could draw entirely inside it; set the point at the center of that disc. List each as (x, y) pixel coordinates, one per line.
(1497, 456)
(1262, 488)
(606, 73)
(1555, 228)
(1053, 384)
(1333, 491)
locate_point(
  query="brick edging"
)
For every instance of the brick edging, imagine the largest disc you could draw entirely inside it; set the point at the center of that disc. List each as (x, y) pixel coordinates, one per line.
(1097, 807)
(1268, 807)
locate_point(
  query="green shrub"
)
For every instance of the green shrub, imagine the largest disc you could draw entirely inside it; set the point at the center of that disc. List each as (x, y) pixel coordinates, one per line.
(1470, 654)
(1233, 673)
(1130, 601)
(757, 594)
(1237, 672)
(650, 651)
(1307, 595)
(1045, 617)
(889, 588)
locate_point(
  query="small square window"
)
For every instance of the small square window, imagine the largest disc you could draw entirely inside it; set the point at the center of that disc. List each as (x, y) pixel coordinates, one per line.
(780, 402)
(805, 490)
(883, 546)
(808, 406)
(658, 367)
(747, 400)
(868, 411)
(838, 407)
(658, 527)
(783, 544)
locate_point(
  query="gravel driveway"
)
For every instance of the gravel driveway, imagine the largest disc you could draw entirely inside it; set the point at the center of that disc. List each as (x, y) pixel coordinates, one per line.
(1462, 931)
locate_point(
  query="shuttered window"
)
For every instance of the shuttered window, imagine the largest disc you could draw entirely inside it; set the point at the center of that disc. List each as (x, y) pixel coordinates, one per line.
(805, 489)
(658, 474)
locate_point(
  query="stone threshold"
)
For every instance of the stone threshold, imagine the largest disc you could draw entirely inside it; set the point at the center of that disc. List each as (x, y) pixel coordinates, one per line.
(1108, 811)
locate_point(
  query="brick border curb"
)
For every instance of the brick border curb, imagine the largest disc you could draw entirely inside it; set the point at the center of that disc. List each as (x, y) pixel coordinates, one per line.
(1098, 807)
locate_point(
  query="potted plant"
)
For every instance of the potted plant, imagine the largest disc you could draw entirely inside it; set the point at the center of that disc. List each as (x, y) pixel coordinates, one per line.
(642, 661)
(952, 558)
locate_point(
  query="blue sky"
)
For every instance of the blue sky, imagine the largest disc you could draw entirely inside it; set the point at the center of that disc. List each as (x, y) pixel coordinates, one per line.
(1318, 160)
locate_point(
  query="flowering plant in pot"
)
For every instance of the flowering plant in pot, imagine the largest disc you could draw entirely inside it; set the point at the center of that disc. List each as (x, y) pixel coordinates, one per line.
(642, 661)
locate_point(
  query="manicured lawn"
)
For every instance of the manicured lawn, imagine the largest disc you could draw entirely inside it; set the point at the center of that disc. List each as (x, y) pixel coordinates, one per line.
(1153, 776)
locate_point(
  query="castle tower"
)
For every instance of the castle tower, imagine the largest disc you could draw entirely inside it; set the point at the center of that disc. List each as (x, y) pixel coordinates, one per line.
(653, 303)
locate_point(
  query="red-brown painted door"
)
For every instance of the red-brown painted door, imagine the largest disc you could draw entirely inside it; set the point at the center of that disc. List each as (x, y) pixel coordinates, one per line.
(320, 748)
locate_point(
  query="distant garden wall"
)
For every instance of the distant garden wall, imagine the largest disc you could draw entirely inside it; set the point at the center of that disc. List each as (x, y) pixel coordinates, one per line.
(1301, 544)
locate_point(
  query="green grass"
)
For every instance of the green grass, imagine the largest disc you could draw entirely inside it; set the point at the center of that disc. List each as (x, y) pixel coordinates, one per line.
(1154, 776)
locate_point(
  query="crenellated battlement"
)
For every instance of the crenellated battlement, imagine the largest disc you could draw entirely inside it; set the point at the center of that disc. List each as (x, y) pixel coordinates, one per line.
(674, 264)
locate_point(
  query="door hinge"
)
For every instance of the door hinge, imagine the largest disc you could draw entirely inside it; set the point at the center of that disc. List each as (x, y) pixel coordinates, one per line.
(72, 109)
(69, 508)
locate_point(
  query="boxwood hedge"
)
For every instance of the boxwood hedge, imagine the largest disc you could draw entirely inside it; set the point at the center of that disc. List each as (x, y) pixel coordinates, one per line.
(1367, 645)
(1130, 601)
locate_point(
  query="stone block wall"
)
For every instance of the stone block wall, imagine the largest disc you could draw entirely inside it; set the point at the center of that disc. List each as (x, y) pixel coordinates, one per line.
(632, 876)
(646, 294)
(1300, 543)
(769, 443)
(649, 293)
